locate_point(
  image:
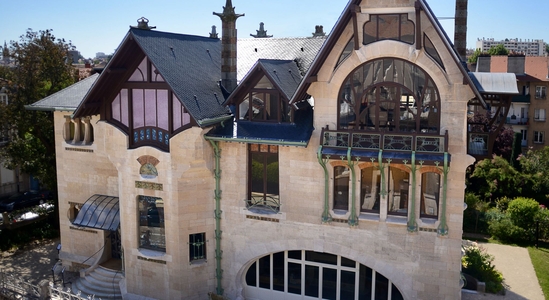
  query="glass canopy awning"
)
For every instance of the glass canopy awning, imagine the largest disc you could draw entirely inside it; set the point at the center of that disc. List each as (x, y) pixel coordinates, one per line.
(99, 212)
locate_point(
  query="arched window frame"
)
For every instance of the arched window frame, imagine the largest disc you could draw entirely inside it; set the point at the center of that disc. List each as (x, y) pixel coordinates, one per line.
(374, 90)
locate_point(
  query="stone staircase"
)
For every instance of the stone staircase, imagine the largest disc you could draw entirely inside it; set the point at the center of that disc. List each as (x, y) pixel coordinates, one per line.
(101, 282)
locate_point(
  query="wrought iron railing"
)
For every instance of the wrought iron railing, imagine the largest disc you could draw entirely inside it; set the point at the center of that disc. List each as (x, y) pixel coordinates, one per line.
(266, 205)
(12, 287)
(389, 141)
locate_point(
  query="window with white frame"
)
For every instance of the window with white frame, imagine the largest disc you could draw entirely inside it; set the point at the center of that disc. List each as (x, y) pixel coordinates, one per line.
(524, 140)
(539, 114)
(539, 137)
(299, 274)
(541, 92)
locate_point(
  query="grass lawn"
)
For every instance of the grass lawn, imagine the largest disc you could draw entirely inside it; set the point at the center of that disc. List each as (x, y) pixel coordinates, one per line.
(540, 260)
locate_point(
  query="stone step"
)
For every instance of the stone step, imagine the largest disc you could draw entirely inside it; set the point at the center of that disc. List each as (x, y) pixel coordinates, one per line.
(86, 291)
(101, 283)
(108, 272)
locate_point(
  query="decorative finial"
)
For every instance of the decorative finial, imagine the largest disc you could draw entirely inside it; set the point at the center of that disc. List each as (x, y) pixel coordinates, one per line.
(213, 34)
(228, 12)
(319, 31)
(261, 33)
(143, 23)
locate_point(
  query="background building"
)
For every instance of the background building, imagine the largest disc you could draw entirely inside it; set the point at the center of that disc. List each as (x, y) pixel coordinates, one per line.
(527, 47)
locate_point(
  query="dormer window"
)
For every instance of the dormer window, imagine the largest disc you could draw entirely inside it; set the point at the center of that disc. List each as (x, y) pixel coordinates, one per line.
(264, 103)
(147, 110)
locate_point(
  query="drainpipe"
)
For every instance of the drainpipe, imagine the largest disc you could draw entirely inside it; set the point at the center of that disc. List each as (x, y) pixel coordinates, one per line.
(326, 216)
(217, 213)
(442, 227)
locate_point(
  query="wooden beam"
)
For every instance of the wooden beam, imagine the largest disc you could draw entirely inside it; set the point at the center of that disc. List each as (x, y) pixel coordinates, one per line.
(355, 9)
(419, 44)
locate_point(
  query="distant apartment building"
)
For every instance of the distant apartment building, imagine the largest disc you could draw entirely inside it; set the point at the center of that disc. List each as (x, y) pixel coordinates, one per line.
(99, 55)
(527, 47)
(528, 111)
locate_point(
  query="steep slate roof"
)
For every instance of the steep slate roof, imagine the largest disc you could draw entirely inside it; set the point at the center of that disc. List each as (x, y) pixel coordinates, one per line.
(283, 73)
(190, 65)
(301, 49)
(285, 134)
(341, 24)
(66, 99)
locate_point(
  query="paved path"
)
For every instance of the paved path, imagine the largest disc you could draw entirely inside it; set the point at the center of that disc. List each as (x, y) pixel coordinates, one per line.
(516, 267)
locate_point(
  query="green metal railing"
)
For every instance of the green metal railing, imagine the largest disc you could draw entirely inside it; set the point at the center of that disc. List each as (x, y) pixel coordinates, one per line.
(387, 141)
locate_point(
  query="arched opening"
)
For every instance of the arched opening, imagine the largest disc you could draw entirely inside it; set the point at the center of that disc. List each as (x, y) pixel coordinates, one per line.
(302, 274)
(389, 95)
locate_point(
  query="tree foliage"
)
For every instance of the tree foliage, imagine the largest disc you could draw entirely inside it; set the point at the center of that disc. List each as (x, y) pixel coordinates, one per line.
(498, 50)
(535, 163)
(474, 57)
(41, 68)
(495, 178)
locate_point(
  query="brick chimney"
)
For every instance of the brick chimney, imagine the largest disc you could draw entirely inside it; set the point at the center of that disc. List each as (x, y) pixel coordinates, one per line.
(228, 41)
(460, 30)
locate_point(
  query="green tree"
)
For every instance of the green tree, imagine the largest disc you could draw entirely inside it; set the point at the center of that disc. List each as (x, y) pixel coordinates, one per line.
(474, 57)
(535, 165)
(41, 68)
(547, 48)
(495, 178)
(498, 50)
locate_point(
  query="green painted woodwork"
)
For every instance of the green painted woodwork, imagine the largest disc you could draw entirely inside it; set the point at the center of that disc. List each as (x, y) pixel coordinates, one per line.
(326, 216)
(353, 218)
(412, 224)
(217, 213)
(443, 227)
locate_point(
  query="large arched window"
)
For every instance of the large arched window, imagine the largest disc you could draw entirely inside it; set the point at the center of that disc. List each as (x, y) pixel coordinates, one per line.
(389, 94)
(315, 275)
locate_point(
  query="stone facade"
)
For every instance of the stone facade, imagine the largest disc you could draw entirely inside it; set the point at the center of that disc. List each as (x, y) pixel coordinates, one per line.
(422, 263)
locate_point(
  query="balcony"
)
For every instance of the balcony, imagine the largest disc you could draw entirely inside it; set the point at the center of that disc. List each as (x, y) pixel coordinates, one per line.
(516, 121)
(396, 146)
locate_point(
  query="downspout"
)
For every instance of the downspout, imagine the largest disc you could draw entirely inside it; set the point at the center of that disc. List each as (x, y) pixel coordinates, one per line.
(442, 227)
(353, 218)
(412, 224)
(217, 213)
(326, 216)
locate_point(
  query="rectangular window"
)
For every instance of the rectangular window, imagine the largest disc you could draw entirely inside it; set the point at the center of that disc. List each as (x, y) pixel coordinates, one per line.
(341, 187)
(370, 186)
(263, 182)
(430, 191)
(541, 92)
(524, 141)
(539, 114)
(152, 234)
(539, 137)
(197, 247)
(398, 184)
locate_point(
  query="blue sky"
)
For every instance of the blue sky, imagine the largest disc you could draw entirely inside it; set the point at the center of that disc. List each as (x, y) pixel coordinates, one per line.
(100, 25)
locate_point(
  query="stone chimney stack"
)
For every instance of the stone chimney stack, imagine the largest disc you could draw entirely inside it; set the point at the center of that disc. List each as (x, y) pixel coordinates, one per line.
(460, 30)
(228, 41)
